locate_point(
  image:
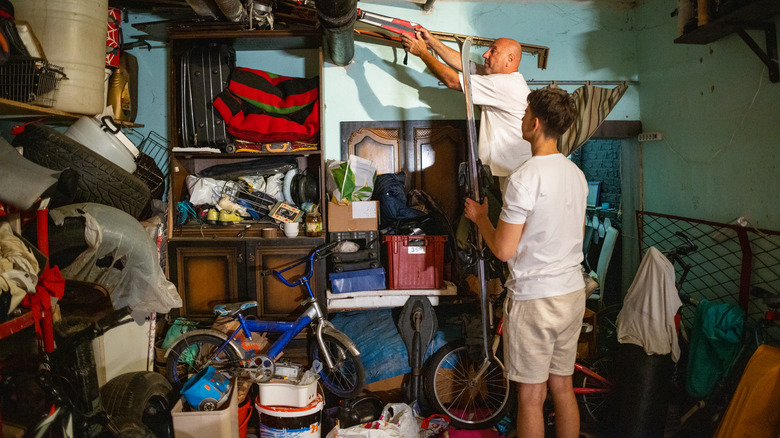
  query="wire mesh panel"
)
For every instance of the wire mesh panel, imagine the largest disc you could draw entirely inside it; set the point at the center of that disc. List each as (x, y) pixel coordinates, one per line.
(30, 80)
(731, 258)
(154, 163)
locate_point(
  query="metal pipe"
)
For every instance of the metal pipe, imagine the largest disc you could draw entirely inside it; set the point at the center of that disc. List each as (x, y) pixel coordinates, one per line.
(582, 82)
(337, 18)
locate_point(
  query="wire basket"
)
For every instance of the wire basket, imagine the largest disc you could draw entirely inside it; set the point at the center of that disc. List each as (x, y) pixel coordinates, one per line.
(30, 80)
(152, 165)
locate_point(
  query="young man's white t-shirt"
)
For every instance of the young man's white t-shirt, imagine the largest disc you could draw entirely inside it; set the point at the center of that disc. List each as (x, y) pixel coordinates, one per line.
(547, 194)
(503, 99)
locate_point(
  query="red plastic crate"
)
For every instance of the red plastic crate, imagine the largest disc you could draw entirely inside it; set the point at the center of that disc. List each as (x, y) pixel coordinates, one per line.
(415, 262)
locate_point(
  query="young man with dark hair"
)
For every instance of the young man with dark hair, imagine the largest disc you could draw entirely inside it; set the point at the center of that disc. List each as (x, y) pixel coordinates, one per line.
(539, 234)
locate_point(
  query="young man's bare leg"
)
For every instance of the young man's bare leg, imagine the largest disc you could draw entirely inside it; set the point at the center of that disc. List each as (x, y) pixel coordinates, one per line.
(567, 414)
(530, 402)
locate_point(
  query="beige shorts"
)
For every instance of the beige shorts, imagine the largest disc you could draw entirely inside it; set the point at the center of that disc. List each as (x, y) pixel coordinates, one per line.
(540, 336)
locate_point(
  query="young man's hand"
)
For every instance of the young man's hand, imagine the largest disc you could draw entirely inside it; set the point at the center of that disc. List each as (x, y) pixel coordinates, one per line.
(475, 211)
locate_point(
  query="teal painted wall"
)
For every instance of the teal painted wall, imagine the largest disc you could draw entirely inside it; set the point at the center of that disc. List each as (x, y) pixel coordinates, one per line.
(586, 43)
(720, 117)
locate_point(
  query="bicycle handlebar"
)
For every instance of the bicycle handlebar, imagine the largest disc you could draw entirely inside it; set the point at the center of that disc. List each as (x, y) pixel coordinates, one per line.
(315, 254)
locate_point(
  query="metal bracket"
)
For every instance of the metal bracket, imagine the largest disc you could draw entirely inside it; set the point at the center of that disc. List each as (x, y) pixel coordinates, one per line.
(770, 56)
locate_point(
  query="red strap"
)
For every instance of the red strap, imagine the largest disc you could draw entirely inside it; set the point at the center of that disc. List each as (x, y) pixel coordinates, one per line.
(50, 284)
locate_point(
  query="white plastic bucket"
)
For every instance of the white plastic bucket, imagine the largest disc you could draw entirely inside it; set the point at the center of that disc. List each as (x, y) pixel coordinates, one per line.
(91, 134)
(288, 422)
(73, 36)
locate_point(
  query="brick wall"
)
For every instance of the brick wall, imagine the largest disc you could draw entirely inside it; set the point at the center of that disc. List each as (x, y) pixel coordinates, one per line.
(599, 159)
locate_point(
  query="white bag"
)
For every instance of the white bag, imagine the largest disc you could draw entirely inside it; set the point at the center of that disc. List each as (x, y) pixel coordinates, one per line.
(351, 180)
(204, 190)
(397, 421)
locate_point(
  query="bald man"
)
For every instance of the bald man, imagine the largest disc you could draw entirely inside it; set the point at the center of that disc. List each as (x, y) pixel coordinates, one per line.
(496, 86)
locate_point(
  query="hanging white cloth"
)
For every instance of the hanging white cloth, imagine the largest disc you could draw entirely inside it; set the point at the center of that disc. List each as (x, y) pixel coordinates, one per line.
(647, 317)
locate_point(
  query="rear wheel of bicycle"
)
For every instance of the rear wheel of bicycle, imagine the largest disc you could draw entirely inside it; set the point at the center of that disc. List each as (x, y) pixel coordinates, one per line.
(346, 378)
(143, 397)
(596, 404)
(451, 387)
(192, 354)
(606, 329)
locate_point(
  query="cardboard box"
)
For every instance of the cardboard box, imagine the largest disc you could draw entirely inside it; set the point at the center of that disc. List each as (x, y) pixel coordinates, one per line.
(357, 216)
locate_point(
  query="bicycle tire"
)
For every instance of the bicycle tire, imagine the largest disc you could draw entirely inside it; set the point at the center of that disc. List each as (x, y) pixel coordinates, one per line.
(477, 405)
(596, 405)
(347, 377)
(145, 397)
(606, 329)
(192, 354)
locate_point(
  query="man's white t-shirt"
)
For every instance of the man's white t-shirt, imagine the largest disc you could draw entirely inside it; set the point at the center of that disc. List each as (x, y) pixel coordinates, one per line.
(547, 194)
(503, 99)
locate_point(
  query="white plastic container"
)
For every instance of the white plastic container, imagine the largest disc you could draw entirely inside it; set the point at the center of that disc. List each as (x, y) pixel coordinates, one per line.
(199, 424)
(285, 393)
(73, 36)
(288, 422)
(96, 136)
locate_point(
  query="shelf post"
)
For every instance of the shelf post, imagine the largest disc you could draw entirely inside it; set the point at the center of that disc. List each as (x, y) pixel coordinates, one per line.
(769, 58)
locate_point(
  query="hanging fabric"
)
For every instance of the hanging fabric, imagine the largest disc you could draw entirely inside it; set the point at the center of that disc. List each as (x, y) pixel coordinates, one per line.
(593, 105)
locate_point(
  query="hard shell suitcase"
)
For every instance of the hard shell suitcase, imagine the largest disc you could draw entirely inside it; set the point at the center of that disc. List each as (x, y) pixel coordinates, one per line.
(205, 72)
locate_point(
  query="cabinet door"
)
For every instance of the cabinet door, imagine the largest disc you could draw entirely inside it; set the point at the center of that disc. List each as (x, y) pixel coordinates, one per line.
(439, 148)
(276, 299)
(207, 273)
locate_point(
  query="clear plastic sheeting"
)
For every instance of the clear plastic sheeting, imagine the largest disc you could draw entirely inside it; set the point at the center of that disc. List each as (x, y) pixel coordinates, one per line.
(122, 258)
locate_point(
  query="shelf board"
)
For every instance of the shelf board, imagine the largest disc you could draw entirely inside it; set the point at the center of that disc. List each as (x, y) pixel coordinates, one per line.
(20, 111)
(243, 155)
(743, 18)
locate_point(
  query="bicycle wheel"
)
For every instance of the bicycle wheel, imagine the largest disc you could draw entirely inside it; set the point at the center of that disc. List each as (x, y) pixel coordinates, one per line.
(193, 353)
(452, 388)
(595, 393)
(346, 378)
(606, 329)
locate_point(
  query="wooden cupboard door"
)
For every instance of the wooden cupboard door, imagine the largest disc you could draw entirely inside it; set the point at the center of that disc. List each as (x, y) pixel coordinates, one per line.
(383, 145)
(275, 299)
(438, 150)
(207, 273)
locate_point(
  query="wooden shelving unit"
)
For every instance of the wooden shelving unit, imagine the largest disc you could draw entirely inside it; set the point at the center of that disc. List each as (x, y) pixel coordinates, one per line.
(757, 15)
(13, 110)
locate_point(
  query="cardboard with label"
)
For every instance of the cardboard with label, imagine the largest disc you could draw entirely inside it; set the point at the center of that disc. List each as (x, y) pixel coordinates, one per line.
(357, 216)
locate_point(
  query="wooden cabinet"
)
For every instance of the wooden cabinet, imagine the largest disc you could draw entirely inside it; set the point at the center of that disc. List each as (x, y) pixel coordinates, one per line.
(211, 264)
(209, 271)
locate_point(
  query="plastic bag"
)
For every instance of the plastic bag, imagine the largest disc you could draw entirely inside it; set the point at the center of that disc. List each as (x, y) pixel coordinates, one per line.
(397, 421)
(351, 180)
(204, 190)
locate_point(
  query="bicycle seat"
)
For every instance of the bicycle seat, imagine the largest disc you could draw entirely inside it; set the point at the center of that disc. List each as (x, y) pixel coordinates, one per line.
(772, 300)
(232, 309)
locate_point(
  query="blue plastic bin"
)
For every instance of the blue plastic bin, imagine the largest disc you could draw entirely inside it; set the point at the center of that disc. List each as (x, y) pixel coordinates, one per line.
(356, 281)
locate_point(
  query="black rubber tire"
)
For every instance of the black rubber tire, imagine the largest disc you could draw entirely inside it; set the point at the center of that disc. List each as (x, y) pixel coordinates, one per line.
(197, 347)
(101, 180)
(144, 396)
(606, 329)
(347, 378)
(494, 398)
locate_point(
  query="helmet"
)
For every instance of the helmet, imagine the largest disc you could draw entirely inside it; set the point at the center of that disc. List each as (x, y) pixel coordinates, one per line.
(207, 390)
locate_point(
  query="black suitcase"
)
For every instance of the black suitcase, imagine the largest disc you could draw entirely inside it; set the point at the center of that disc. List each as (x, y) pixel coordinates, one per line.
(205, 72)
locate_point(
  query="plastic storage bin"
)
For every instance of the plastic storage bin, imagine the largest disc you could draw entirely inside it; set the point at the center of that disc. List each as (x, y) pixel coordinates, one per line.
(286, 393)
(196, 424)
(356, 281)
(415, 262)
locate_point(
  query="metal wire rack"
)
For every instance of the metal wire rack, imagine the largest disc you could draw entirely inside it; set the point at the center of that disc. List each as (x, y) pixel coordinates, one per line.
(731, 258)
(152, 166)
(30, 80)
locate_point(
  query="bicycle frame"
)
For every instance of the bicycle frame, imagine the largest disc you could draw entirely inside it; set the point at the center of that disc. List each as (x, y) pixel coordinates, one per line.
(288, 330)
(590, 373)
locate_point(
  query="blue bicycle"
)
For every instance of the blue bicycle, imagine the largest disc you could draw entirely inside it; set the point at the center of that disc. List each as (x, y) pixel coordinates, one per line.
(342, 372)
